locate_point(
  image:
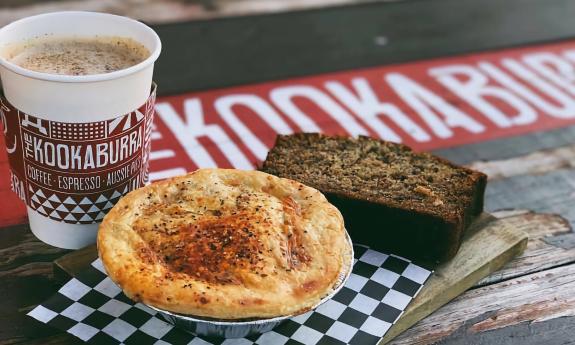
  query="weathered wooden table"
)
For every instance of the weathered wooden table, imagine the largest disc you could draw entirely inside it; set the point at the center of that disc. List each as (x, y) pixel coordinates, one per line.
(532, 180)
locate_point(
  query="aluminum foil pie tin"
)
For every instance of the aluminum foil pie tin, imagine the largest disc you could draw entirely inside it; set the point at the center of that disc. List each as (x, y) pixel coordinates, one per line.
(239, 328)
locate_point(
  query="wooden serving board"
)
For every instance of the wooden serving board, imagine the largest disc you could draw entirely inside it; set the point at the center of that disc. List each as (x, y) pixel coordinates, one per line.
(488, 245)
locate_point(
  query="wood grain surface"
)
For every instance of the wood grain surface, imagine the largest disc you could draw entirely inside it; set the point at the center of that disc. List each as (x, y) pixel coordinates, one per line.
(483, 251)
(513, 295)
(528, 299)
(544, 249)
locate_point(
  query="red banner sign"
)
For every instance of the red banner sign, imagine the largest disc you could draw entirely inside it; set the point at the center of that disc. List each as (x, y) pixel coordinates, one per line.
(427, 105)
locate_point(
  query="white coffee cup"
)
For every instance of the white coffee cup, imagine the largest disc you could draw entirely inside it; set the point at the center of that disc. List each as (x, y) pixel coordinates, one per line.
(71, 109)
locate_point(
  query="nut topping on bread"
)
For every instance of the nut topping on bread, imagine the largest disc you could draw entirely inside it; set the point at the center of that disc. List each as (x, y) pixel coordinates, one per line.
(392, 198)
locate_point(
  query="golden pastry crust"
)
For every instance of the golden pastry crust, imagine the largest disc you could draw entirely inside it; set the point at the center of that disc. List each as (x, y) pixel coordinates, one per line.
(225, 244)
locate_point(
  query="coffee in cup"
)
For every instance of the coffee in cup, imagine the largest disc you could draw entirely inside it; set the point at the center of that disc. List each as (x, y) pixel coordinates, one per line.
(76, 55)
(77, 113)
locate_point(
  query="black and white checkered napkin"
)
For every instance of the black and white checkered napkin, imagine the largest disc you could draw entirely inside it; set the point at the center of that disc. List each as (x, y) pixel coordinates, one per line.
(91, 307)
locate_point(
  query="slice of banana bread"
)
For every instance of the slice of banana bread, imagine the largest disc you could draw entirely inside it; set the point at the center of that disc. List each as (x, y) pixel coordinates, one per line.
(392, 198)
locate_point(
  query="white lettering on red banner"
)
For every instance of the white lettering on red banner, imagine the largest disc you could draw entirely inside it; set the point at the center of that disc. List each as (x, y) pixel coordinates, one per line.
(426, 105)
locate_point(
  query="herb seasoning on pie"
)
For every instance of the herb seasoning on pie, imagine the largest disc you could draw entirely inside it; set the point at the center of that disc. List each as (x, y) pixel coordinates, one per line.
(225, 244)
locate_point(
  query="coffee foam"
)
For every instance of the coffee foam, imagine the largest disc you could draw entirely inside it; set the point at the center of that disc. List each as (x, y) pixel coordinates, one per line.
(76, 55)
